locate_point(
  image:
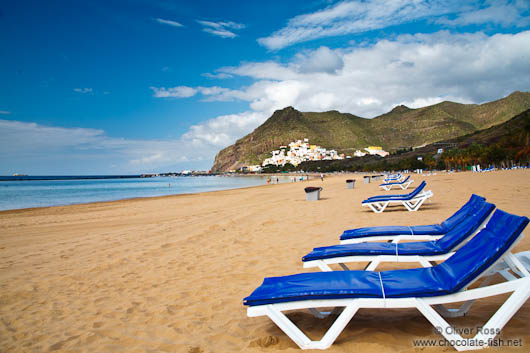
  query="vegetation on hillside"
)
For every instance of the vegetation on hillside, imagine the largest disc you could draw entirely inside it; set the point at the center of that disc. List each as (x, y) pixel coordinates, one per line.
(500, 146)
(401, 128)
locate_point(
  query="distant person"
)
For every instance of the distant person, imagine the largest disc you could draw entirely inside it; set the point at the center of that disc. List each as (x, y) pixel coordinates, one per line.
(322, 176)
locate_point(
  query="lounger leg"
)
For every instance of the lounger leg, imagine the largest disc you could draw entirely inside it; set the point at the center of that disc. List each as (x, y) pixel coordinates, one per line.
(323, 266)
(524, 258)
(373, 208)
(378, 207)
(504, 314)
(344, 267)
(441, 325)
(301, 339)
(515, 264)
(372, 265)
(464, 308)
(414, 206)
(488, 332)
(408, 205)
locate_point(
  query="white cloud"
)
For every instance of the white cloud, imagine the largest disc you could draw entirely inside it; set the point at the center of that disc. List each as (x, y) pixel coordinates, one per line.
(348, 17)
(219, 75)
(415, 70)
(169, 22)
(503, 13)
(4, 112)
(321, 60)
(91, 151)
(213, 93)
(352, 17)
(223, 130)
(83, 90)
(175, 92)
(221, 29)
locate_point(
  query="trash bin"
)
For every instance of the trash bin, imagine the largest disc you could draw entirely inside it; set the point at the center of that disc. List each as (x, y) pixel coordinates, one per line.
(367, 179)
(350, 183)
(312, 193)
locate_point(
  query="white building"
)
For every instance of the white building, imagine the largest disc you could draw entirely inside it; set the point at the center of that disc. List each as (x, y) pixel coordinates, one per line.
(300, 151)
(376, 150)
(359, 153)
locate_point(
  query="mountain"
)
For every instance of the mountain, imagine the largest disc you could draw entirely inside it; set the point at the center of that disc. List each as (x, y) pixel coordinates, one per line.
(508, 141)
(400, 128)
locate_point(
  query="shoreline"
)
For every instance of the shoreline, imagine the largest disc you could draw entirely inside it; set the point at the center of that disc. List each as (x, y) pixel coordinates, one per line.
(139, 198)
(129, 199)
(126, 198)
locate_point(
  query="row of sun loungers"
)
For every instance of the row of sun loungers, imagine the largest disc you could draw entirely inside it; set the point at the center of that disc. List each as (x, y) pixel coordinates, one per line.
(412, 201)
(393, 178)
(469, 247)
(402, 184)
(434, 248)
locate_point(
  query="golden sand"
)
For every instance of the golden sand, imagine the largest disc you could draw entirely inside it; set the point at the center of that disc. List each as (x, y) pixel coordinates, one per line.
(169, 274)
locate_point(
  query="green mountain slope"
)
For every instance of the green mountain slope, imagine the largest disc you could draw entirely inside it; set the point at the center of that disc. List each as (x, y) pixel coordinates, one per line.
(401, 127)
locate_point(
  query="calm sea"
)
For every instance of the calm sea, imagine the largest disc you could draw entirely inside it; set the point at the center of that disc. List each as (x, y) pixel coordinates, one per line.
(40, 193)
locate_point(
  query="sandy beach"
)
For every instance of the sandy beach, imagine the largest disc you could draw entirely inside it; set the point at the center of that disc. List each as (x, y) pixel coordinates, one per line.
(169, 274)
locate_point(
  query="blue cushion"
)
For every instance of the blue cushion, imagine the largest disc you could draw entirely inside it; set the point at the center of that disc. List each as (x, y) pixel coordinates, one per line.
(476, 216)
(461, 214)
(482, 251)
(455, 273)
(434, 229)
(401, 197)
(368, 249)
(425, 248)
(316, 285)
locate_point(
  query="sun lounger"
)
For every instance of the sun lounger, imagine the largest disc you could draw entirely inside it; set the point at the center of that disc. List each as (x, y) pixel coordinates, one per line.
(393, 178)
(424, 252)
(422, 232)
(426, 289)
(402, 184)
(411, 201)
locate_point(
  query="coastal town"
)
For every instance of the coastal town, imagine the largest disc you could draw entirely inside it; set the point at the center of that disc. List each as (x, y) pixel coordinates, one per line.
(300, 151)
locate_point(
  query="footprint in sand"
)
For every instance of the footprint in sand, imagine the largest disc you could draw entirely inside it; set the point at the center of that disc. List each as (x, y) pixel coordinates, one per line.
(265, 342)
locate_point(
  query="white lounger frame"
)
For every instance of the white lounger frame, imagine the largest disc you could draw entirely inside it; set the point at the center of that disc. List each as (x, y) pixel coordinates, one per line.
(402, 185)
(375, 260)
(392, 178)
(412, 205)
(392, 238)
(431, 307)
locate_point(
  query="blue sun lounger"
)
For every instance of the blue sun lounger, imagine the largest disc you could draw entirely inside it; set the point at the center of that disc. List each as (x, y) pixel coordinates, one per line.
(402, 184)
(412, 201)
(395, 177)
(421, 232)
(426, 289)
(424, 252)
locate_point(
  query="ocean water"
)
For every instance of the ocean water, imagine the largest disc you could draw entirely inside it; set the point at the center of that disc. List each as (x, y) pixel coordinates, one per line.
(41, 193)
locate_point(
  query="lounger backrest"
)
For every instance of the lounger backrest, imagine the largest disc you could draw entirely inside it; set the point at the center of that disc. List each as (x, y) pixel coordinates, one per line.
(474, 218)
(471, 260)
(405, 180)
(462, 213)
(418, 189)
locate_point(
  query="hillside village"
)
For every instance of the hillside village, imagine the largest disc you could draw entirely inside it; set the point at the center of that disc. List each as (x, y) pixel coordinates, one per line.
(302, 151)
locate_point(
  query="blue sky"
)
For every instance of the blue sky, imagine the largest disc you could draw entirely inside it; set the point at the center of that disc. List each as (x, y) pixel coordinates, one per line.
(112, 87)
